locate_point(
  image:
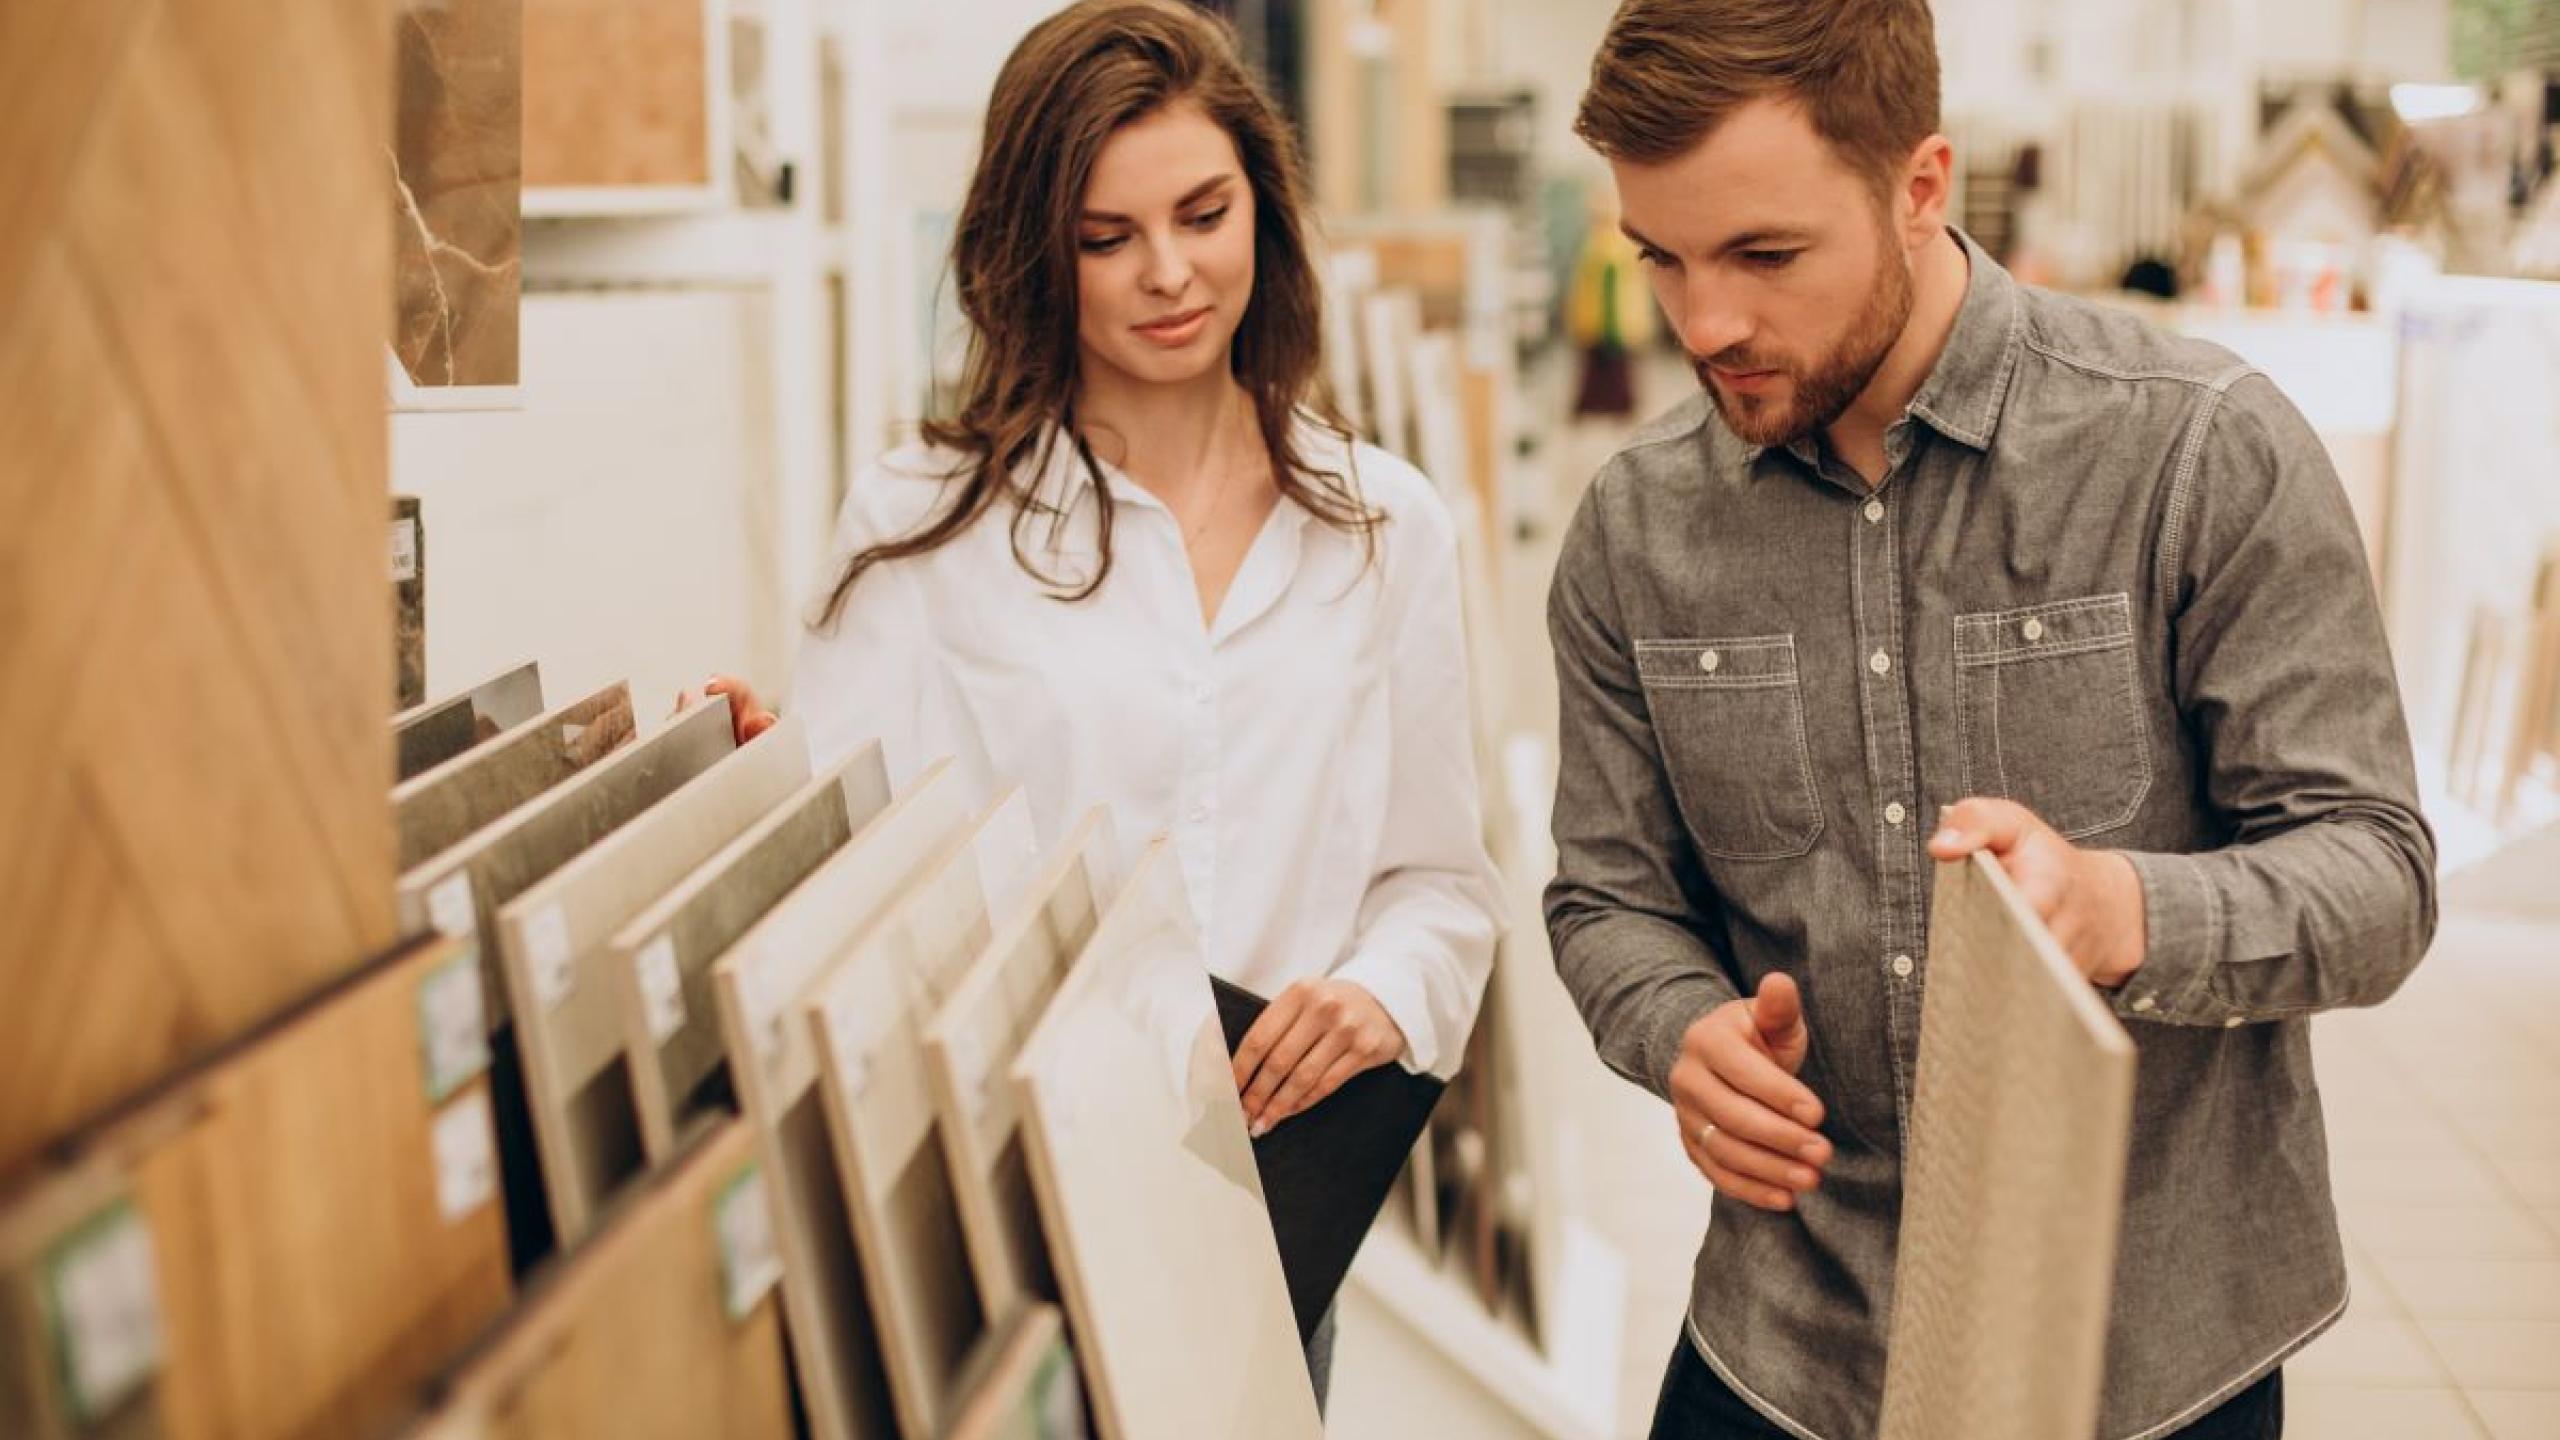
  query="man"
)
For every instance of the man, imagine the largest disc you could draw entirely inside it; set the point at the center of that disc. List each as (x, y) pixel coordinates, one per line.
(1934, 544)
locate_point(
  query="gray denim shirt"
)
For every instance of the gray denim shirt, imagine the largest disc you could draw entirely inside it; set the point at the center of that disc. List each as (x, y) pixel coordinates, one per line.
(2110, 575)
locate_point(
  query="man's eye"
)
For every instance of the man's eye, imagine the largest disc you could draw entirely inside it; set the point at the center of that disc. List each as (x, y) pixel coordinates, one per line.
(1770, 259)
(1647, 255)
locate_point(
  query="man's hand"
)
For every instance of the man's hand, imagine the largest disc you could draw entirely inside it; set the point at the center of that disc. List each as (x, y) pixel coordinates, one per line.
(1748, 1124)
(2090, 899)
(1312, 1037)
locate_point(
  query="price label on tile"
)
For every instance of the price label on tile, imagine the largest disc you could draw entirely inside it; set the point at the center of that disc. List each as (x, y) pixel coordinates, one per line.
(850, 1030)
(555, 965)
(750, 1261)
(662, 989)
(404, 550)
(102, 1302)
(449, 907)
(466, 1155)
(453, 1025)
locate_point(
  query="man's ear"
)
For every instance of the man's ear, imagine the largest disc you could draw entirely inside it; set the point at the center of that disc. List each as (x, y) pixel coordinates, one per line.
(1928, 187)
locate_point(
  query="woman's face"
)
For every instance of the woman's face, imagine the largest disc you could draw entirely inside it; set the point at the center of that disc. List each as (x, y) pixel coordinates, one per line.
(1164, 265)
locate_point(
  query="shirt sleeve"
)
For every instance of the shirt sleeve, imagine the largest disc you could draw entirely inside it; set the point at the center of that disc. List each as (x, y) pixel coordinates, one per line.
(2321, 891)
(1428, 923)
(1630, 912)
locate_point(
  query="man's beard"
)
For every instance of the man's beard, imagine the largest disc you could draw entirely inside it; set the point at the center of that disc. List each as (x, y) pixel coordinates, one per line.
(1823, 393)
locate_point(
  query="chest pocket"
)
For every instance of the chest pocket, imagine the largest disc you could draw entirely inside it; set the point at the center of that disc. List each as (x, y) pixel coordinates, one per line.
(2049, 712)
(1729, 715)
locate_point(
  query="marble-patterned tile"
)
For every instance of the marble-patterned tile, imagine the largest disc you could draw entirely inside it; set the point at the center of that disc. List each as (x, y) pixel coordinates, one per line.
(2518, 1414)
(2498, 1354)
(430, 734)
(408, 603)
(443, 806)
(2327, 1411)
(457, 186)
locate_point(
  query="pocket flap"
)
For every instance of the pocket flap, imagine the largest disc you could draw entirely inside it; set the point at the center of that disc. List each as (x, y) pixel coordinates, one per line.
(1710, 664)
(2063, 627)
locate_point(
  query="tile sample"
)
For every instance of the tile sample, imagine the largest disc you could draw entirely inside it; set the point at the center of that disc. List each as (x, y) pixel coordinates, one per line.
(1024, 1386)
(865, 1018)
(456, 190)
(430, 734)
(408, 603)
(2015, 1183)
(286, 1242)
(759, 984)
(664, 1325)
(1147, 1187)
(659, 963)
(969, 1050)
(441, 807)
(192, 622)
(617, 93)
(553, 939)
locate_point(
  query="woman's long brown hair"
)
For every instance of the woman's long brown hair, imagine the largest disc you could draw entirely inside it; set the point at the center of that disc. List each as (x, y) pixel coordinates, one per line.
(1076, 78)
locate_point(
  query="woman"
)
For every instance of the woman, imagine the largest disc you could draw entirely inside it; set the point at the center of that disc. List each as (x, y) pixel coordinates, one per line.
(1139, 570)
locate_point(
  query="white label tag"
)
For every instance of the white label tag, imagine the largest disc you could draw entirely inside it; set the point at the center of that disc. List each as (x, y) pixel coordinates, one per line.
(466, 1153)
(104, 1293)
(453, 1024)
(404, 550)
(555, 965)
(449, 906)
(853, 1042)
(662, 989)
(750, 1262)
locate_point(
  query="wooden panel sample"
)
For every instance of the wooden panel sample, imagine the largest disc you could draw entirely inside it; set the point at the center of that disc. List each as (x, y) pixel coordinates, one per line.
(318, 1207)
(553, 938)
(970, 1047)
(456, 183)
(192, 476)
(2015, 1180)
(760, 984)
(442, 807)
(1024, 1387)
(439, 730)
(659, 1330)
(617, 93)
(1148, 1191)
(865, 1018)
(659, 964)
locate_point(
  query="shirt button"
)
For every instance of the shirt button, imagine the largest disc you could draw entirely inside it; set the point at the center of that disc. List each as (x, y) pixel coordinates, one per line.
(1875, 512)
(1894, 813)
(1709, 660)
(1879, 662)
(1901, 967)
(2142, 1005)
(2033, 629)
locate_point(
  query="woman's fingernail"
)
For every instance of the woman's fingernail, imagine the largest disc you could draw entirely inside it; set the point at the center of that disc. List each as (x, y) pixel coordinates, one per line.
(1261, 1128)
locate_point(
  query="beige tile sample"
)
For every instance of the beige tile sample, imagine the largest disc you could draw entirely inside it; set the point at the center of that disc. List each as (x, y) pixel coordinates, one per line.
(866, 1017)
(1023, 1385)
(659, 963)
(1148, 1191)
(2014, 1182)
(759, 985)
(554, 937)
(969, 1050)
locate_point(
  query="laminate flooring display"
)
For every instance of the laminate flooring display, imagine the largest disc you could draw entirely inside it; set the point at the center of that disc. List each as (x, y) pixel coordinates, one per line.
(284, 1243)
(441, 807)
(658, 965)
(554, 941)
(1024, 1387)
(1148, 1191)
(2015, 1181)
(759, 984)
(866, 1018)
(663, 1328)
(969, 1049)
(439, 730)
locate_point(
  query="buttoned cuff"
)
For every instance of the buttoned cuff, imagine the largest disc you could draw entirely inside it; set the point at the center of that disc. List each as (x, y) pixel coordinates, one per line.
(2184, 933)
(1402, 994)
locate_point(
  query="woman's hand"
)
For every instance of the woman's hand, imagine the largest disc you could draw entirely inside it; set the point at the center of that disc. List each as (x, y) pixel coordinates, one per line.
(1314, 1036)
(746, 718)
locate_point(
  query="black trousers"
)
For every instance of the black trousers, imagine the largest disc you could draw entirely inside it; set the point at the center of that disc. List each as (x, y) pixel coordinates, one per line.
(1696, 1404)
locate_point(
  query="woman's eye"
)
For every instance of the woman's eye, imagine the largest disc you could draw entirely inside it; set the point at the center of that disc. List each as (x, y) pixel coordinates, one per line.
(1101, 244)
(1208, 219)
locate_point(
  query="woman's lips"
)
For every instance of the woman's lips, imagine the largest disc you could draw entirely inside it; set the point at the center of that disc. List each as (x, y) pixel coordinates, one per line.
(1175, 330)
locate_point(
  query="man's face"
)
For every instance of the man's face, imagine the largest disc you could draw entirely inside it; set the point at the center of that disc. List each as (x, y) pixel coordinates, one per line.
(1781, 271)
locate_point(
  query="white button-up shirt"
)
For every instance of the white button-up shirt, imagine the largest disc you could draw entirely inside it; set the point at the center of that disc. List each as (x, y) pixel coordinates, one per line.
(1309, 751)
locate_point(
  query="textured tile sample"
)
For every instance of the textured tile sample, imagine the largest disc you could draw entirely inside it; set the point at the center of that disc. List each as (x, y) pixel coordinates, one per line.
(433, 733)
(408, 603)
(1147, 1187)
(866, 1018)
(659, 963)
(318, 1221)
(969, 1050)
(443, 806)
(456, 178)
(192, 479)
(2015, 1181)
(760, 983)
(617, 92)
(663, 1326)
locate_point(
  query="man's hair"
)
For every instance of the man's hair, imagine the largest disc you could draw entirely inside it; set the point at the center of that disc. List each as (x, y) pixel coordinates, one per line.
(1670, 71)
